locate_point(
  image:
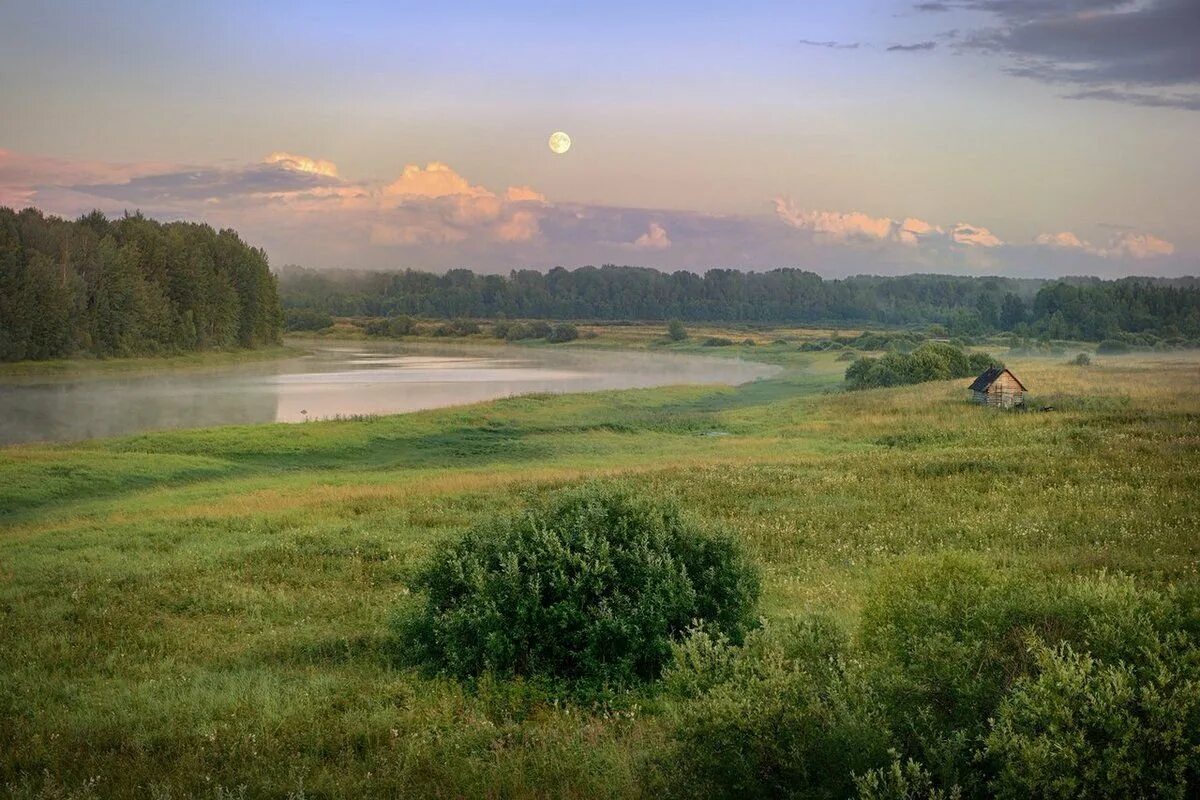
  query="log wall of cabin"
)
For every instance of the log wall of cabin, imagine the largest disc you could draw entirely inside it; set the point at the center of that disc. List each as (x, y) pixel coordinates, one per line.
(1005, 392)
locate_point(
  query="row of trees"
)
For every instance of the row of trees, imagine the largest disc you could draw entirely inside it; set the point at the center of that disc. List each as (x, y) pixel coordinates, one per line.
(1078, 308)
(129, 286)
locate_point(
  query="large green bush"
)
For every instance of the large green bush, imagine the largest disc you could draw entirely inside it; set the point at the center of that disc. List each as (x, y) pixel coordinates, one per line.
(592, 585)
(932, 361)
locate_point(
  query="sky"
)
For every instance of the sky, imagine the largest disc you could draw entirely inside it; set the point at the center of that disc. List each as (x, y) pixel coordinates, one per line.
(1011, 137)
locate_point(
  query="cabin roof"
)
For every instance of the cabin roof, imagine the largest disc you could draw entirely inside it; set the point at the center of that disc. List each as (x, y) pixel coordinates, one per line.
(989, 376)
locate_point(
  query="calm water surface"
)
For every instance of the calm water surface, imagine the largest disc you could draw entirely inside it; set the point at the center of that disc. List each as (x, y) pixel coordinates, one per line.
(334, 380)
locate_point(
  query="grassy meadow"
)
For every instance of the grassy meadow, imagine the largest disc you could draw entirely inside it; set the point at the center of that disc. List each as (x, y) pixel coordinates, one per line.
(207, 613)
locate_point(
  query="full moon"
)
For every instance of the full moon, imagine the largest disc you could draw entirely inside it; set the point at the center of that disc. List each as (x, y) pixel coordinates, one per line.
(560, 142)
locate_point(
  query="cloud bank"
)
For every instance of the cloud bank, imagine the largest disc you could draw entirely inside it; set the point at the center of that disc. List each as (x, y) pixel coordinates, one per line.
(301, 210)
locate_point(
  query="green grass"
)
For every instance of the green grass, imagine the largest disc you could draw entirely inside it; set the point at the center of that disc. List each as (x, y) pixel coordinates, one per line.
(195, 613)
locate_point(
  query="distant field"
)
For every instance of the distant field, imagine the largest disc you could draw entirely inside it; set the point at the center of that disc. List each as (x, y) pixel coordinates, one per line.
(206, 612)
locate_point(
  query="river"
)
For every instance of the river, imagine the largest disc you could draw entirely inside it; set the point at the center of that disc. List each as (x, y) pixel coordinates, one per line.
(333, 380)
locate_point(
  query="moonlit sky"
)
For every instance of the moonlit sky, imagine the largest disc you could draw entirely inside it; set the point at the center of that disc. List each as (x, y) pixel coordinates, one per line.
(1025, 137)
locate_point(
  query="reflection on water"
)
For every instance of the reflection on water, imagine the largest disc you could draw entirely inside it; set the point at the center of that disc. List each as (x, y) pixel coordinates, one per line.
(359, 378)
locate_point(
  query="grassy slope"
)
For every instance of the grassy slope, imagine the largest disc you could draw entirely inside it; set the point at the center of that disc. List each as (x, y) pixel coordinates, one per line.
(189, 610)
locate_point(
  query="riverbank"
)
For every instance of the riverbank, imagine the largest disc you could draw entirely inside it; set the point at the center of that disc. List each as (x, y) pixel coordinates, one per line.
(200, 359)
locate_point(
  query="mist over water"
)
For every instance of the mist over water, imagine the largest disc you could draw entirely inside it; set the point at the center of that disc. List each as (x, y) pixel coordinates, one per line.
(334, 380)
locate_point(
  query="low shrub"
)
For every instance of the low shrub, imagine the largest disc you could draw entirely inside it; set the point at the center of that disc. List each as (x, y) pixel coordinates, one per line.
(949, 637)
(717, 341)
(465, 327)
(906, 780)
(392, 327)
(304, 319)
(1112, 346)
(961, 681)
(516, 331)
(1079, 727)
(788, 715)
(1082, 360)
(675, 331)
(593, 585)
(563, 332)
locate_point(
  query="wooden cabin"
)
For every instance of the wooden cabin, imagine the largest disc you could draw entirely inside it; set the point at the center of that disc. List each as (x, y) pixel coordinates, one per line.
(998, 387)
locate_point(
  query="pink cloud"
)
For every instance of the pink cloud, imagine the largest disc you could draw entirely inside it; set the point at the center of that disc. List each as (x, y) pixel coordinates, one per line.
(839, 226)
(1064, 239)
(303, 164)
(655, 238)
(974, 235)
(299, 208)
(1136, 245)
(1139, 245)
(521, 226)
(523, 194)
(23, 175)
(855, 226)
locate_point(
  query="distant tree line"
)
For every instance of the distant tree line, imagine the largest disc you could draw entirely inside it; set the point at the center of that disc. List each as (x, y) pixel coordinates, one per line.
(129, 286)
(1085, 308)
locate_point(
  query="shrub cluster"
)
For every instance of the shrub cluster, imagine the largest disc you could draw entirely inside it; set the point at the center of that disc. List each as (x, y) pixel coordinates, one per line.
(932, 361)
(563, 332)
(593, 585)
(392, 327)
(873, 341)
(517, 331)
(960, 682)
(457, 327)
(304, 319)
